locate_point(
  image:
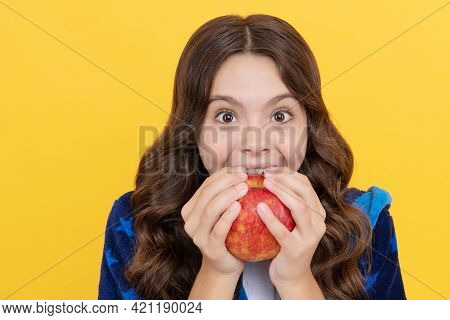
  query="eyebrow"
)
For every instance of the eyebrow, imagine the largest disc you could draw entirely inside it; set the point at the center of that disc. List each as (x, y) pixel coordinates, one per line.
(235, 102)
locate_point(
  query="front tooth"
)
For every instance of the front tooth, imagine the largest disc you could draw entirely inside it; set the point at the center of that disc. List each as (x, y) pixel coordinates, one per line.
(255, 171)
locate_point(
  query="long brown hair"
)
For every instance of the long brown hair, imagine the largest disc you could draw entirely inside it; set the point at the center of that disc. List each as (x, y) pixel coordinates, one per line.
(166, 261)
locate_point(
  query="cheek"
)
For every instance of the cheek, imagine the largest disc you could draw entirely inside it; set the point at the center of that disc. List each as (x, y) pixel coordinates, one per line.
(215, 147)
(301, 142)
(293, 148)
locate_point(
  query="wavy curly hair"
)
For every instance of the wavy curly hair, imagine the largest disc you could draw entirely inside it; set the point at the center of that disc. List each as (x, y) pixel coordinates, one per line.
(165, 260)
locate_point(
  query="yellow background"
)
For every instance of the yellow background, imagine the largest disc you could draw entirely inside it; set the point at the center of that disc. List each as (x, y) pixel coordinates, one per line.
(78, 79)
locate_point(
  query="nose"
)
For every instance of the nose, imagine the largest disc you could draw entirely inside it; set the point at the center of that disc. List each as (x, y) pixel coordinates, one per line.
(254, 141)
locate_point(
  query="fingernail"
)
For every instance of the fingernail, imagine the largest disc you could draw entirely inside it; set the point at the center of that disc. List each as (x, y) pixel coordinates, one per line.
(243, 175)
(234, 207)
(262, 207)
(241, 186)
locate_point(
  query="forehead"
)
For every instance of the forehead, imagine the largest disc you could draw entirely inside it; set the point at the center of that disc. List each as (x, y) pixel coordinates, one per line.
(249, 79)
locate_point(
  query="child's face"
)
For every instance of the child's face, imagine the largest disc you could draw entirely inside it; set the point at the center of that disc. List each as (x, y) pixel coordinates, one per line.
(258, 133)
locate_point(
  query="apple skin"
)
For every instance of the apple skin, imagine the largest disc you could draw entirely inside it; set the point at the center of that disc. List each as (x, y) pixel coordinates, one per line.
(248, 238)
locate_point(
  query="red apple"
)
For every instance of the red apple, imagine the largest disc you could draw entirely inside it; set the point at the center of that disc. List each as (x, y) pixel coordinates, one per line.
(249, 239)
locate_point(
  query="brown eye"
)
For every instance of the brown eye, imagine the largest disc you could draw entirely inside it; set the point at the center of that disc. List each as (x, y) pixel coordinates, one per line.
(280, 116)
(225, 117)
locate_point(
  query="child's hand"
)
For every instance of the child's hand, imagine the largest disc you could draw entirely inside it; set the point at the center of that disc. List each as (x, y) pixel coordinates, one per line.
(292, 265)
(209, 214)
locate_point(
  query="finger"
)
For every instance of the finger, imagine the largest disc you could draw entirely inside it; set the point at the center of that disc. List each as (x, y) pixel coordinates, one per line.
(187, 208)
(222, 227)
(319, 225)
(219, 204)
(295, 182)
(223, 171)
(299, 210)
(215, 187)
(190, 204)
(276, 228)
(206, 196)
(283, 169)
(290, 178)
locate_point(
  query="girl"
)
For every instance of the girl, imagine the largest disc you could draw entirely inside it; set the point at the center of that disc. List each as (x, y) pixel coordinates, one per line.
(247, 96)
